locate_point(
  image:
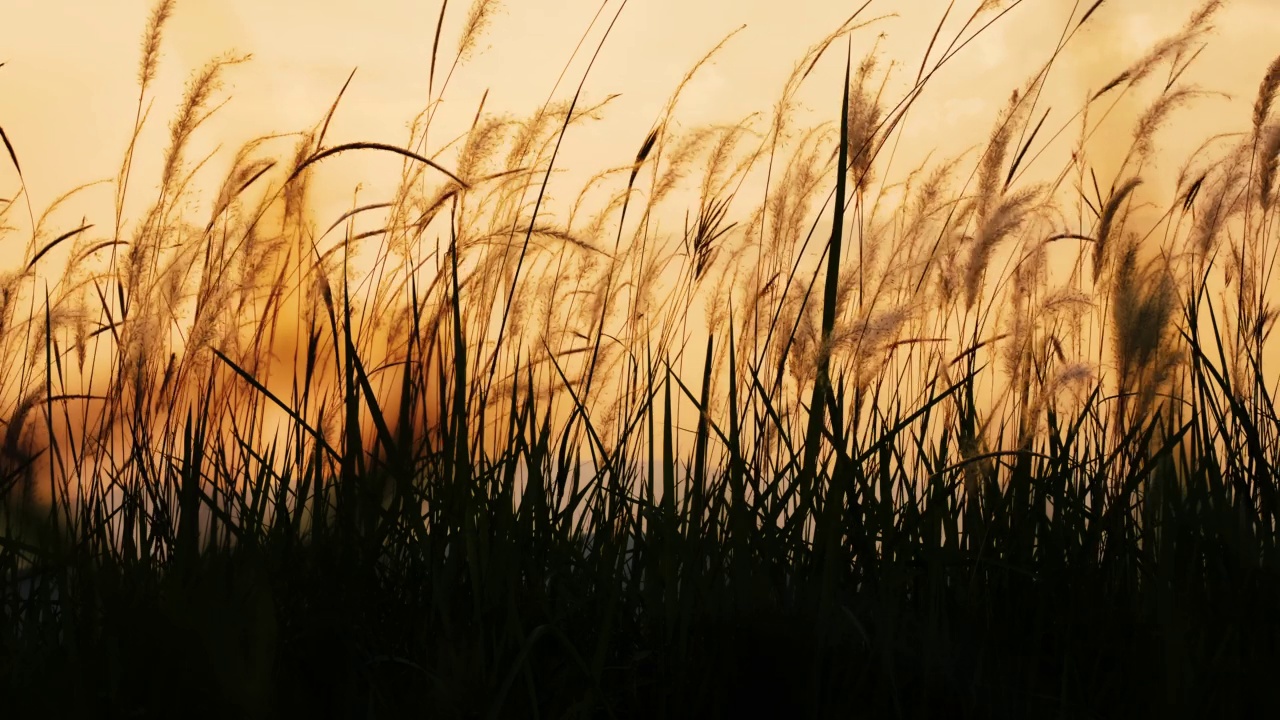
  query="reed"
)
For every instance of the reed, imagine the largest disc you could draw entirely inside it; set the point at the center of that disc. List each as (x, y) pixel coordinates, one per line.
(245, 475)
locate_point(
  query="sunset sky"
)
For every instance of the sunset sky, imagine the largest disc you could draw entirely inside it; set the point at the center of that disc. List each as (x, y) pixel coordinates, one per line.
(69, 91)
(398, 442)
(69, 83)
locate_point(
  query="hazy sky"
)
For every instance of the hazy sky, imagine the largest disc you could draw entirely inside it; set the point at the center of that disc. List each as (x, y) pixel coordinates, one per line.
(68, 88)
(69, 85)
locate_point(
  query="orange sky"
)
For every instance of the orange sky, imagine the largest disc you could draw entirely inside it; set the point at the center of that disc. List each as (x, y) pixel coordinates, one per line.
(68, 89)
(69, 84)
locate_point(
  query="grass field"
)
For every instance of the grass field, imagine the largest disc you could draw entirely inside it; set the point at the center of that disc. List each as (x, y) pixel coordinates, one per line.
(988, 438)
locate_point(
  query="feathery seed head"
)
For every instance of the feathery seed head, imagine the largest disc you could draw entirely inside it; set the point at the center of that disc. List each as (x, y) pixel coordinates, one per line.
(1107, 220)
(151, 42)
(1266, 96)
(1270, 151)
(478, 19)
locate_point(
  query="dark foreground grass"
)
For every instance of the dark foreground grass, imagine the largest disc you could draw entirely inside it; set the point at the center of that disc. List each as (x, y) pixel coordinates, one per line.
(521, 524)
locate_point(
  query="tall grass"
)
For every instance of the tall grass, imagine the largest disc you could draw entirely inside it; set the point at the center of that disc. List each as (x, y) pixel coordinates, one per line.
(920, 470)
